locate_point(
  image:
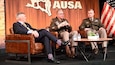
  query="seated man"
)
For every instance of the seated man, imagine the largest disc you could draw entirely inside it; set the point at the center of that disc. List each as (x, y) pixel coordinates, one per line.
(61, 25)
(94, 24)
(42, 35)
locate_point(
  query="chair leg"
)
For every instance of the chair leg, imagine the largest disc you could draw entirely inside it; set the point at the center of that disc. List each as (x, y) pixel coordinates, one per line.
(29, 58)
(17, 60)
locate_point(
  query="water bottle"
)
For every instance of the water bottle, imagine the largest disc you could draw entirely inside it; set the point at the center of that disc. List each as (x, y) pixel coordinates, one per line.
(78, 36)
(97, 35)
(74, 37)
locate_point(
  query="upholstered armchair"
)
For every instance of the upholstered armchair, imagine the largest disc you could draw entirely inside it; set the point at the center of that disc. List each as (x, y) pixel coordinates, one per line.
(19, 44)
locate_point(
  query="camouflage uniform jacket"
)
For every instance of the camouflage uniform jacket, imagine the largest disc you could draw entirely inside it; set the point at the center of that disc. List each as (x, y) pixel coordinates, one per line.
(95, 24)
(54, 24)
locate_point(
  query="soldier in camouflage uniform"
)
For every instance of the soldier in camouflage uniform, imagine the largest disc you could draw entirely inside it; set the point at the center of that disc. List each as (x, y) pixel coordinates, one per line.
(57, 24)
(95, 25)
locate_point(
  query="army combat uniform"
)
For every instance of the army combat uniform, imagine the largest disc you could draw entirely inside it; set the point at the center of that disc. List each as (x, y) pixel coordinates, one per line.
(95, 25)
(64, 34)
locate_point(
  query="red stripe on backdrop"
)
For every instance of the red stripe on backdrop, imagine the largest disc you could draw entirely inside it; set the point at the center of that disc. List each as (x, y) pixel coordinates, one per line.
(110, 15)
(112, 22)
(104, 12)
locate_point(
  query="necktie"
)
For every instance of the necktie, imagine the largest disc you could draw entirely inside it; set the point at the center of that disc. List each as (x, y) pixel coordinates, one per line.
(26, 26)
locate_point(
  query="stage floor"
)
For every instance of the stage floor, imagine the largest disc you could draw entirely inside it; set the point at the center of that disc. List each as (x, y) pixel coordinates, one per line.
(97, 60)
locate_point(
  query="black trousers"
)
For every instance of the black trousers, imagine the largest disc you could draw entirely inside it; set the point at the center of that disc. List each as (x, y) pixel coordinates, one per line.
(45, 37)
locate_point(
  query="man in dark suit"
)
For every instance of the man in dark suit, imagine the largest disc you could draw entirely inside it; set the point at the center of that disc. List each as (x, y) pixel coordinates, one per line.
(42, 35)
(94, 24)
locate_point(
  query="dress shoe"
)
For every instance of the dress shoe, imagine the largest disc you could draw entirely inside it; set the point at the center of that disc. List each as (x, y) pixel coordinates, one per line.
(54, 61)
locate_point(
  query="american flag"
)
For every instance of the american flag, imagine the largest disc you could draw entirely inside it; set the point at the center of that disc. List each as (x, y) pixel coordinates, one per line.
(108, 17)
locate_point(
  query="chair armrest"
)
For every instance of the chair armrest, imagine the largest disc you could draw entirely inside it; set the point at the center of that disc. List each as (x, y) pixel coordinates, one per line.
(82, 33)
(17, 43)
(19, 37)
(17, 46)
(55, 34)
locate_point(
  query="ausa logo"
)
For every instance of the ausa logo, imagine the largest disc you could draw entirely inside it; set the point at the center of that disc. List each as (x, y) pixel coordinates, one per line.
(56, 4)
(47, 5)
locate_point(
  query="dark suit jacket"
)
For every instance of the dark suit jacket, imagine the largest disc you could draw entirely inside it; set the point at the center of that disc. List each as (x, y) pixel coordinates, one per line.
(95, 24)
(18, 28)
